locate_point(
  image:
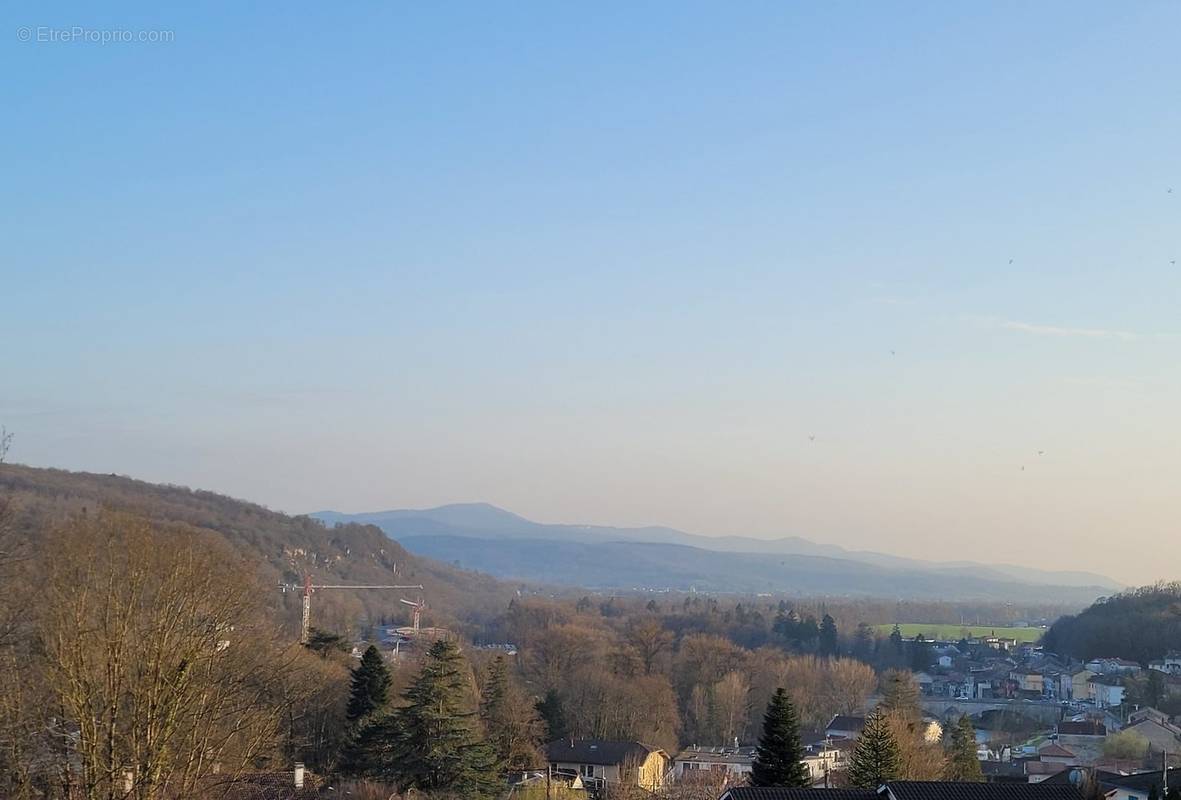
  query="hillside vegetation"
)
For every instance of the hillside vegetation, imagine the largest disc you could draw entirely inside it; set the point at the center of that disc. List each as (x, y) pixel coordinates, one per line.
(1140, 624)
(283, 548)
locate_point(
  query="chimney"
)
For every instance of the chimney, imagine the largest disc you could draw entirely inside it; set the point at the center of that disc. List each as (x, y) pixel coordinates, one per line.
(299, 775)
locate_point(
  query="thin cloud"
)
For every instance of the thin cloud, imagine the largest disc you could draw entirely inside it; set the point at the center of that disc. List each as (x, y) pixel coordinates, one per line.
(1053, 330)
(1058, 331)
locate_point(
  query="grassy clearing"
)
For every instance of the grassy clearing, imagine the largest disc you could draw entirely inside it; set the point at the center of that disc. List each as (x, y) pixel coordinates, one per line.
(955, 632)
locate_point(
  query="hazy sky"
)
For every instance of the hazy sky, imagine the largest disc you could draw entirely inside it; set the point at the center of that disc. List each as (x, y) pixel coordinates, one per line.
(614, 263)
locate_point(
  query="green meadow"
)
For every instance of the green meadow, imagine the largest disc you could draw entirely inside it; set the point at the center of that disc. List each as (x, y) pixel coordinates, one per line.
(956, 632)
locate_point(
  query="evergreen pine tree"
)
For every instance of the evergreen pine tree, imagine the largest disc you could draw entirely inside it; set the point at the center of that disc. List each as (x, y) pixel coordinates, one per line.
(495, 690)
(431, 744)
(896, 639)
(863, 642)
(511, 723)
(553, 714)
(920, 654)
(962, 764)
(829, 639)
(371, 683)
(876, 758)
(779, 756)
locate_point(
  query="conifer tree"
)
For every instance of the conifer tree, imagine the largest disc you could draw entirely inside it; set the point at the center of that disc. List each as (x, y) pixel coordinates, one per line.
(829, 639)
(962, 764)
(511, 723)
(779, 756)
(371, 684)
(876, 758)
(553, 715)
(920, 653)
(431, 743)
(896, 639)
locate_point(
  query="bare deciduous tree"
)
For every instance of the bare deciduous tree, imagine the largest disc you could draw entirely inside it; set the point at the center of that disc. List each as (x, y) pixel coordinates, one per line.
(156, 658)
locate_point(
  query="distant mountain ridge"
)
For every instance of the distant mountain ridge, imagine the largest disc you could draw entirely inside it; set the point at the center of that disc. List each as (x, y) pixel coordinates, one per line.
(462, 532)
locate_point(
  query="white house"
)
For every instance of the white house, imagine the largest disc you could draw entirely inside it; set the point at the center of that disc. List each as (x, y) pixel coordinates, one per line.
(1106, 691)
(1170, 664)
(733, 760)
(824, 758)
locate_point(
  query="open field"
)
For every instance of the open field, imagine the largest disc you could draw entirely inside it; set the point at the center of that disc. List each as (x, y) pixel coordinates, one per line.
(954, 632)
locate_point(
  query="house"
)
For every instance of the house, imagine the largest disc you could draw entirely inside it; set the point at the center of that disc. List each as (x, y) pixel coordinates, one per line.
(1113, 666)
(1118, 785)
(1170, 664)
(845, 727)
(1125, 666)
(1163, 737)
(1084, 737)
(1057, 755)
(734, 761)
(826, 757)
(1027, 680)
(1004, 771)
(1073, 684)
(1107, 691)
(599, 762)
(1148, 712)
(946, 790)
(1051, 683)
(917, 790)
(1038, 771)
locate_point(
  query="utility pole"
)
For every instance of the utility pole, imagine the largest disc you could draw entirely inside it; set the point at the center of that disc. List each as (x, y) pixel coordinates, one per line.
(309, 587)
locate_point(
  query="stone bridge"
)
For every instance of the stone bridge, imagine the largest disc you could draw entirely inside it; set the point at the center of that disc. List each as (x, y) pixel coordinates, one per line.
(948, 707)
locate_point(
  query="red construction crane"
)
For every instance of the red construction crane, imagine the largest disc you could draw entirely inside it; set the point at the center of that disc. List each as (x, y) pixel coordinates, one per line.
(309, 587)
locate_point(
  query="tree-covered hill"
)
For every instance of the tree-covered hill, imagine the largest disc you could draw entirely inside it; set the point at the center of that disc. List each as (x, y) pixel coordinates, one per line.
(1139, 624)
(284, 547)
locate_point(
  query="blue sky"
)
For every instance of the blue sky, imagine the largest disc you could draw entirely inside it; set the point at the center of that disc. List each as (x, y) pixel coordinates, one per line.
(614, 263)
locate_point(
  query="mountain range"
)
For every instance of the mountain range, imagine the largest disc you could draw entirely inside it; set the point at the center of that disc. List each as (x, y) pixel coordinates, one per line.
(489, 539)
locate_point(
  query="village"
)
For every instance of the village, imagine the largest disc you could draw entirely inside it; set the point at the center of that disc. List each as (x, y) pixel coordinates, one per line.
(1038, 719)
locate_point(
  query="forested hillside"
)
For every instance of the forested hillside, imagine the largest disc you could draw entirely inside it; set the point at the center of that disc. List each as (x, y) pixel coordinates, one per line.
(283, 548)
(1140, 624)
(107, 575)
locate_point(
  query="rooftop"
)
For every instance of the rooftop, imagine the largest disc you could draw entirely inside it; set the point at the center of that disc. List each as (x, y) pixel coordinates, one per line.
(753, 793)
(596, 751)
(945, 790)
(717, 755)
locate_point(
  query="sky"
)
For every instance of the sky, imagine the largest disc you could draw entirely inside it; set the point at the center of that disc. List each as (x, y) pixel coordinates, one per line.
(895, 276)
